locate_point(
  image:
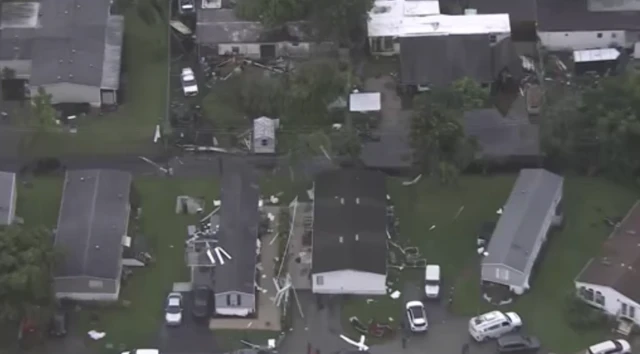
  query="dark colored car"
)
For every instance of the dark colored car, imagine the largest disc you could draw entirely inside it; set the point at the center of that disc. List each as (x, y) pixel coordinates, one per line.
(58, 325)
(201, 302)
(518, 343)
(485, 233)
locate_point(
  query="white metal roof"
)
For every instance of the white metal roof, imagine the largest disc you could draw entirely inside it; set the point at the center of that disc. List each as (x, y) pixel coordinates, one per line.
(591, 55)
(636, 50)
(364, 102)
(264, 127)
(407, 18)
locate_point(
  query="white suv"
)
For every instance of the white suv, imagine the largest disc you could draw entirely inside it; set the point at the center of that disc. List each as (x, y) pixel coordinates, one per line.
(432, 281)
(493, 325)
(417, 316)
(616, 346)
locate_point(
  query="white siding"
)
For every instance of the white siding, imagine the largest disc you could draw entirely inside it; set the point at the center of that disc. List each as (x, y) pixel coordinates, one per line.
(71, 93)
(613, 300)
(579, 40)
(349, 282)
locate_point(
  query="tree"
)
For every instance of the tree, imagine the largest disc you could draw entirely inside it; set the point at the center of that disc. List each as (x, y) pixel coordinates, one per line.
(8, 73)
(42, 120)
(26, 263)
(272, 13)
(437, 134)
(340, 20)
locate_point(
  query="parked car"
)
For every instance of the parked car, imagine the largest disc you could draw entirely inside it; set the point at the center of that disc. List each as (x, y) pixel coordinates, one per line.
(173, 312)
(485, 233)
(615, 346)
(417, 316)
(186, 7)
(189, 83)
(59, 324)
(533, 97)
(432, 281)
(493, 324)
(201, 302)
(142, 351)
(517, 343)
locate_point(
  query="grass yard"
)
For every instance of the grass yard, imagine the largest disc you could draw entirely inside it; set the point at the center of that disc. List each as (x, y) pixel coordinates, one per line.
(131, 129)
(39, 201)
(452, 245)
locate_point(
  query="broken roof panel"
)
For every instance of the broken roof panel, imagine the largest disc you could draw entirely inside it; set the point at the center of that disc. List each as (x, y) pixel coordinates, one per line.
(18, 14)
(593, 55)
(7, 195)
(112, 53)
(574, 15)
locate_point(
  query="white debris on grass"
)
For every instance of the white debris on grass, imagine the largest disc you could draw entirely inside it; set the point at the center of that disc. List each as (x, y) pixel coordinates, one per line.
(216, 203)
(271, 217)
(413, 181)
(95, 335)
(432, 227)
(395, 295)
(499, 211)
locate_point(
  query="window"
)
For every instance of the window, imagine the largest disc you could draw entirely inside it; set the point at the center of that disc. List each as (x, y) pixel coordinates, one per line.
(623, 309)
(586, 294)
(228, 300)
(493, 38)
(494, 327)
(96, 284)
(599, 298)
(319, 280)
(632, 312)
(235, 50)
(264, 142)
(613, 35)
(502, 274)
(599, 35)
(238, 298)
(505, 324)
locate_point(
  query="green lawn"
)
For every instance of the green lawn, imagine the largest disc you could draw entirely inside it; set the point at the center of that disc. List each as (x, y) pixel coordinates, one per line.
(39, 201)
(452, 245)
(130, 129)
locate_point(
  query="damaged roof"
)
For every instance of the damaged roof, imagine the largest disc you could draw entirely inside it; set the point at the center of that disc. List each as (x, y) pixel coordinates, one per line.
(575, 15)
(618, 264)
(217, 26)
(349, 223)
(238, 233)
(440, 60)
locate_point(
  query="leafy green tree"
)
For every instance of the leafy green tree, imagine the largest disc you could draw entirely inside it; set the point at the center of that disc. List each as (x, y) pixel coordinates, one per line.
(8, 73)
(43, 120)
(340, 20)
(471, 95)
(26, 263)
(272, 13)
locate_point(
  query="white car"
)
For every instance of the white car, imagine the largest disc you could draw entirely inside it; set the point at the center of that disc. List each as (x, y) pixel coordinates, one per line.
(173, 312)
(189, 83)
(615, 346)
(417, 316)
(143, 351)
(432, 281)
(493, 325)
(187, 6)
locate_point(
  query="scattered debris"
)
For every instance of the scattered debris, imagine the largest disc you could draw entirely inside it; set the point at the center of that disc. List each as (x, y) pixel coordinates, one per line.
(336, 126)
(249, 324)
(95, 335)
(360, 345)
(273, 199)
(432, 227)
(217, 203)
(480, 250)
(395, 295)
(499, 211)
(459, 212)
(369, 301)
(413, 181)
(275, 237)
(271, 217)
(325, 153)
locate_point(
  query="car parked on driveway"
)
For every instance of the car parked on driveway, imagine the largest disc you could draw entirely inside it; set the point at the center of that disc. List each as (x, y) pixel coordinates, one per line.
(432, 281)
(615, 346)
(201, 302)
(186, 7)
(142, 351)
(189, 83)
(417, 316)
(173, 312)
(493, 324)
(517, 343)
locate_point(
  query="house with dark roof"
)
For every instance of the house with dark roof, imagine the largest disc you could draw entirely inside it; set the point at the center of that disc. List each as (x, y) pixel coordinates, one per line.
(218, 28)
(531, 210)
(92, 228)
(234, 281)
(349, 242)
(611, 280)
(71, 48)
(8, 197)
(587, 24)
(438, 61)
(510, 137)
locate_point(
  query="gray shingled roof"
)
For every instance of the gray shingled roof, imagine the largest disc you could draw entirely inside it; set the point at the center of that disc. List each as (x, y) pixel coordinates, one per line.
(7, 191)
(70, 44)
(522, 219)
(574, 15)
(349, 222)
(94, 216)
(440, 60)
(238, 233)
(503, 136)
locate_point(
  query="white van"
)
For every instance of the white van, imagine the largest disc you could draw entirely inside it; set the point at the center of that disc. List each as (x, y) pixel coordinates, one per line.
(432, 281)
(493, 324)
(616, 346)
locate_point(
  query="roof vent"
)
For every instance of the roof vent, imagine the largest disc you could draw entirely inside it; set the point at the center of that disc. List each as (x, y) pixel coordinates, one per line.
(341, 239)
(97, 247)
(71, 76)
(357, 200)
(73, 50)
(470, 12)
(342, 201)
(66, 12)
(357, 237)
(60, 61)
